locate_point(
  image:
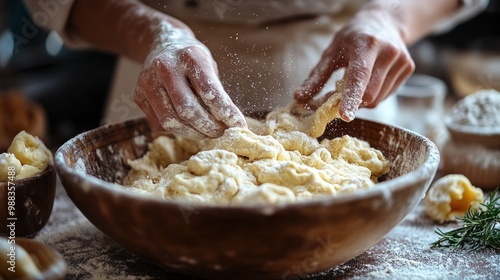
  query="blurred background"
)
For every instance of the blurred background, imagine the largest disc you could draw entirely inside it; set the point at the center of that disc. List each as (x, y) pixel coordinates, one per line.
(40, 79)
(70, 86)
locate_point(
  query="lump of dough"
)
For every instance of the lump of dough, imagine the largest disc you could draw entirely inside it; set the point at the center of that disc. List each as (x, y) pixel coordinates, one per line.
(30, 151)
(247, 144)
(326, 113)
(359, 152)
(297, 141)
(282, 173)
(162, 151)
(25, 267)
(265, 194)
(8, 160)
(201, 163)
(450, 197)
(28, 171)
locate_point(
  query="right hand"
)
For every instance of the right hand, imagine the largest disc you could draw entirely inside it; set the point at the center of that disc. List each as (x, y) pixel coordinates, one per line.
(179, 89)
(372, 49)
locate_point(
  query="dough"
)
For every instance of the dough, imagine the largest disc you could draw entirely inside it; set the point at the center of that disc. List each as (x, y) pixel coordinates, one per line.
(8, 164)
(295, 117)
(244, 168)
(24, 266)
(27, 154)
(450, 197)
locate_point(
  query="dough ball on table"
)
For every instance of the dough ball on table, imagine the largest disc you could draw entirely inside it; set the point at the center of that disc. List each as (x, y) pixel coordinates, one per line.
(24, 265)
(450, 197)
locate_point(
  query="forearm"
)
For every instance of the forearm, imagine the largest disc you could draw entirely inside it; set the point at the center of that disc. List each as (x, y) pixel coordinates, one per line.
(414, 18)
(128, 28)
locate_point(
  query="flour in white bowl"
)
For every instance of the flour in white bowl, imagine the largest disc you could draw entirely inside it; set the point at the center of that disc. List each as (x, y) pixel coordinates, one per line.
(481, 109)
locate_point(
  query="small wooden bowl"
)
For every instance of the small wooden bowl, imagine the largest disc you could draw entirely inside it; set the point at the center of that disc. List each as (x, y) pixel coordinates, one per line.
(474, 135)
(243, 242)
(34, 199)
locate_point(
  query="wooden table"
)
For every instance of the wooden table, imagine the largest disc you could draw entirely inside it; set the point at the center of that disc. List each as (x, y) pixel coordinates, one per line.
(403, 254)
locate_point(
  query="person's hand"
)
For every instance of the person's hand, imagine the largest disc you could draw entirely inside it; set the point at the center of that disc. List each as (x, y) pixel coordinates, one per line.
(376, 58)
(179, 89)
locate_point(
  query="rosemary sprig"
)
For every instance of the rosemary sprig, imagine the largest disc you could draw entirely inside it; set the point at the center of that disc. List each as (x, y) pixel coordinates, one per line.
(480, 229)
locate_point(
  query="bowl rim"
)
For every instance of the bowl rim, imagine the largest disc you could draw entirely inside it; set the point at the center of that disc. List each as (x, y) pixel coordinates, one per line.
(471, 129)
(384, 188)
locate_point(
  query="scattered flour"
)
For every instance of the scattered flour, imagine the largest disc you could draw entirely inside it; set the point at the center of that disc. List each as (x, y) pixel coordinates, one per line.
(403, 254)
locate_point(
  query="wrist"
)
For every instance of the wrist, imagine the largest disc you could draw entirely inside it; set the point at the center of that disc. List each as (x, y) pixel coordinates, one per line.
(158, 30)
(391, 11)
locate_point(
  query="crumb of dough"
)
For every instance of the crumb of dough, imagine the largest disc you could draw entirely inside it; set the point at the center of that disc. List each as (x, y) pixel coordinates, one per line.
(295, 117)
(241, 167)
(27, 155)
(450, 197)
(23, 266)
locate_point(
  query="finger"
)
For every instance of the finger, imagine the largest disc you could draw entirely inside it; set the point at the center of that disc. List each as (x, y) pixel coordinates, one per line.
(207, 85)
(148, 81)
(381, 68)
(356, 78)
(405, 74)
(330, 60)
(398, 73)
(155, 103)
(141, 101)
(186, 103)
(167, 115)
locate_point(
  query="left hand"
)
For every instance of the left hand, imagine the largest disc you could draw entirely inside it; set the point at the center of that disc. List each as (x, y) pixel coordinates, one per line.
(179, 89)
(377, 62)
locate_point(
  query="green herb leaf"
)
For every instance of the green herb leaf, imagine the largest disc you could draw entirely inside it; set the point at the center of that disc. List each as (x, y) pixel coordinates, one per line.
(480, 229)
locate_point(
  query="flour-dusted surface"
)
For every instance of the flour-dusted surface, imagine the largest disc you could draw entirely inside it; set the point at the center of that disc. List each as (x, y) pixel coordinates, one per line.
(403, 254)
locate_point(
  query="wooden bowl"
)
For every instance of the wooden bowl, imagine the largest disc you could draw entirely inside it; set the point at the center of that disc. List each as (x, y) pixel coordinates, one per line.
(34, 199)
(237, 242)
(474, 135)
